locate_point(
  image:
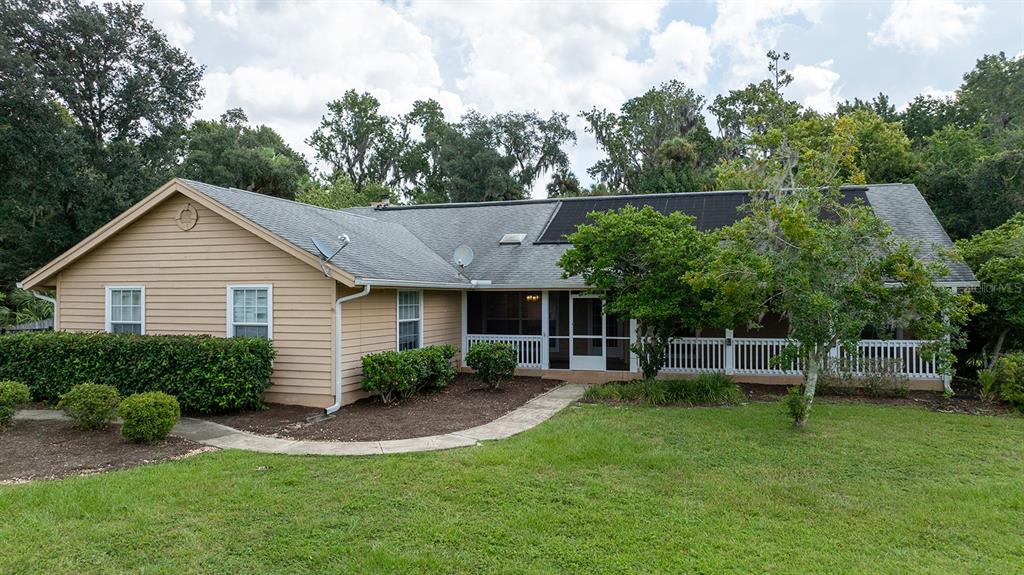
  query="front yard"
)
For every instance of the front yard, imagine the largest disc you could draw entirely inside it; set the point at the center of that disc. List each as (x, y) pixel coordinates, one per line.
(866, 488)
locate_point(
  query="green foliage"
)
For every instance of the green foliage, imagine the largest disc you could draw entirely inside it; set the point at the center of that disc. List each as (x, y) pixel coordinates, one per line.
(148, 417)
(876, 378)
(926, 115)
(92, 99)
(493, 362)
(994, 90)
(997, 258)
(232, 153)
(397, 375)
(880, 106)
(206, 374)
(22, 307)
(394, 375)
(91, 405)
(340, 193)
(436, 369)
(1005, 380)
(831, 269)
(706, 389)
(657, 142)
(796, 404)
(360, 142)
(635, 258)
(12, 393)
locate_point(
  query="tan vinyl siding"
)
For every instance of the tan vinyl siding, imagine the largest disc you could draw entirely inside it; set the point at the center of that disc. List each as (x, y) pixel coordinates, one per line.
(370, 324)
(186, 274)
(442, 317)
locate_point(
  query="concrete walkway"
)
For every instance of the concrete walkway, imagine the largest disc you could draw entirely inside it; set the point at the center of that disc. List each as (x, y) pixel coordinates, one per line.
(527, 416)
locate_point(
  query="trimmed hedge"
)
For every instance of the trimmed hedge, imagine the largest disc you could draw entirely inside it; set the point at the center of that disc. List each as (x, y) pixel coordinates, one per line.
(207, 374)
(147, 417)
(397, 375)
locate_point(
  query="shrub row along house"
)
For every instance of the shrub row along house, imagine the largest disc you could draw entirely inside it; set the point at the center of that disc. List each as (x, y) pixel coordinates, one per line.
(330, 286)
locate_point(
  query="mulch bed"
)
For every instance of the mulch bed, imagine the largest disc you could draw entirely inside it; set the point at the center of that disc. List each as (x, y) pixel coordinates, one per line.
(931, 400)
(33, 449)
(463, 404)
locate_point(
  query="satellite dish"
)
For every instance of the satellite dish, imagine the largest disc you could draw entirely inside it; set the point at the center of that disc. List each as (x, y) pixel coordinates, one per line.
(463, 256)
(327, 252)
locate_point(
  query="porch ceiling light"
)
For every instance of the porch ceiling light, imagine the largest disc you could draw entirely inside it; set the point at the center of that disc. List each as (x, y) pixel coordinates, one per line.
(532, 297)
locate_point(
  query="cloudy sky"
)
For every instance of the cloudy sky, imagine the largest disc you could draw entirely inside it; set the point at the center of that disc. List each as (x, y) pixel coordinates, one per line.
(281, 62)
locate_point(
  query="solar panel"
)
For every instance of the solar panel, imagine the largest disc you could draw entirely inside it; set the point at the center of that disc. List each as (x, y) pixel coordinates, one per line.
(710, 210)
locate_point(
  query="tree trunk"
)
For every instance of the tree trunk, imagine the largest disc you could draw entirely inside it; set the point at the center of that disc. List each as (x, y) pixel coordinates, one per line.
(811, 371)
(999, 347)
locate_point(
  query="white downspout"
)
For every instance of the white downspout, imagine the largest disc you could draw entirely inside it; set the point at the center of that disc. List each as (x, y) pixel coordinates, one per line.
(46, 298)
(337, 346)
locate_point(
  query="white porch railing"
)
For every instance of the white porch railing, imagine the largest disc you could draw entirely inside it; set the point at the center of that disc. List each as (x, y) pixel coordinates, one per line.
(755, 355)
(529, 347)
(750, 356)
(695, 354)
(904, 354)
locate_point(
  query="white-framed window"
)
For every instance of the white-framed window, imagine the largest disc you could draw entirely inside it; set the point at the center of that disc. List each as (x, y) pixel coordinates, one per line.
(251, 311)
(410, 319)
(125, 309)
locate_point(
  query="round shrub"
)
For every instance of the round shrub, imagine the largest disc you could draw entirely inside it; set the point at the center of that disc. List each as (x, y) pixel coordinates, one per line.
(392, 374)
(493, 362)
(436, 369)
(147, 417)
(91, 405)
(12, 393)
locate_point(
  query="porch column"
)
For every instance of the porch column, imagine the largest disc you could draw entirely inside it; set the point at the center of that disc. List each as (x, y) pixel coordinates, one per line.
(730, 354)
(544, 321)
(634, 361)
(465, 328)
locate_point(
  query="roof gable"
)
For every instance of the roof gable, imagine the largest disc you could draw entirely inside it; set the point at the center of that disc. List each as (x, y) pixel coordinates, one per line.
(44, 275)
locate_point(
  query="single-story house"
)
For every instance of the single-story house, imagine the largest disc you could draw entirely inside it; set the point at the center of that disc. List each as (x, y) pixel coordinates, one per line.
(192, 258)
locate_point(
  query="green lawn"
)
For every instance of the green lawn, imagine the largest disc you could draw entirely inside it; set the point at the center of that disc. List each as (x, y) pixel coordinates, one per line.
(595, 490)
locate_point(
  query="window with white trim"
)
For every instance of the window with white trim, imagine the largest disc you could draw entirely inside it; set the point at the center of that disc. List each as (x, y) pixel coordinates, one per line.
(410, 326)
(250, 311)
(126, 309)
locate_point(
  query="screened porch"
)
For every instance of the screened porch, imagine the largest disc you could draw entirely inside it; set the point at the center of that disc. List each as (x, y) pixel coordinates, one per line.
(563, 330)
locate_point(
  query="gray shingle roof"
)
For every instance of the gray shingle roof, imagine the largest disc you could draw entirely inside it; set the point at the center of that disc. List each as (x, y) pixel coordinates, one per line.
(379, 249)
(415, 243)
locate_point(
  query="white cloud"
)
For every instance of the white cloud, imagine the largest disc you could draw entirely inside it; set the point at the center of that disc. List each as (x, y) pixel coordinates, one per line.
(927, 26)
(815, 87)
(167, 15)
(747, 30)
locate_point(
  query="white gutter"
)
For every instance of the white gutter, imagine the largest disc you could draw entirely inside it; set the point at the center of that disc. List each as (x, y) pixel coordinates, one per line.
(484, 284)
(337, 347)
(46, 298)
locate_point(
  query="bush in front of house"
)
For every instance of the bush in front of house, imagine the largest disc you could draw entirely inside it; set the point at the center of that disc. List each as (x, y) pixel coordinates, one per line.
(435, 363)
(1005, 380)
(91, 405)
(206, 374)
(148, 417)
(12, 394)
(393, 375)
(494, 362)
(705, 389)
